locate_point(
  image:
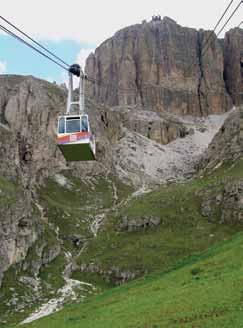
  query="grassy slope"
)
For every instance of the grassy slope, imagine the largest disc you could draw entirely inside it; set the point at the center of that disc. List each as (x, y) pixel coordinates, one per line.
(73, 208)
(183, 230)
(204, 291)
(8, 192)
(68, 208)
(182, 233)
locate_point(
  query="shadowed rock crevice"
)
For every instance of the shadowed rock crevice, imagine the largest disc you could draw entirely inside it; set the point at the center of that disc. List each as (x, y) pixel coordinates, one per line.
(200, 59)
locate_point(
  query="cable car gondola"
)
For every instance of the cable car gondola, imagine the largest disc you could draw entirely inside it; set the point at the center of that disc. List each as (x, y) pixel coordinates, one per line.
(74, 136)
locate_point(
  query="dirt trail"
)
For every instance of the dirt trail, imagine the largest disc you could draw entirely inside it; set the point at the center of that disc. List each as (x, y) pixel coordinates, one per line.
(71, 291)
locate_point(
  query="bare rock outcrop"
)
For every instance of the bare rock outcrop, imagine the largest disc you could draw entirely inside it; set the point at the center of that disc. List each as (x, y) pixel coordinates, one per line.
(233, 62)
(226, 145)
(144, 162)
(160, 66)
(138, 224)
(29, 111)
(20, 224)
(232, 203)
(227, 206)
(158, 127)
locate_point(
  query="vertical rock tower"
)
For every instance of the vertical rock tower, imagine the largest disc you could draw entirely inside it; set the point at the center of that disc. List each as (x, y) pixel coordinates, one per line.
(160, 66)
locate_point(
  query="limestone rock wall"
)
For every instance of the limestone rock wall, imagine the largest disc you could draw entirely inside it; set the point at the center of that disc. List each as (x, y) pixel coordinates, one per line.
(233, 57)
(160, 66)
(29, 110)
(19, 228)
(162, 129)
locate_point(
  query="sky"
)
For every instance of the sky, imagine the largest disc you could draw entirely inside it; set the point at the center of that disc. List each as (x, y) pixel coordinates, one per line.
(74, 28)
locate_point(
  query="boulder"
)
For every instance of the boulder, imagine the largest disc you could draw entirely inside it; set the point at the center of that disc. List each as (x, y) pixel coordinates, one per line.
(137, 224)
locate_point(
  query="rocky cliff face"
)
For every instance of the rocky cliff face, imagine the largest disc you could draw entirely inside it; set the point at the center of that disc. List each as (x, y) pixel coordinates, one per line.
(19, 224)
(29, 111)
(162, 129)
(160, 66)
(226, 145)
(233, 57)
(28, 116)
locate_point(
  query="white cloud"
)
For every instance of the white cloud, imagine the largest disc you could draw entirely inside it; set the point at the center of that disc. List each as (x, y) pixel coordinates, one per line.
(94, 21)
(83, 55)
(3, 67)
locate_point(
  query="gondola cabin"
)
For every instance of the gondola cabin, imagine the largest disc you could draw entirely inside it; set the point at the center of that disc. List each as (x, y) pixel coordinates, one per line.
(74, 138)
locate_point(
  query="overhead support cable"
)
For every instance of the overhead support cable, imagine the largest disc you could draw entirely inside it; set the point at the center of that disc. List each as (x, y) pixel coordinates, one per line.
(204, 49)
(30, 46)
(229, 19)
(218, 23)
(67, 67)
(223, 27)
(33, 40)
(209, 42)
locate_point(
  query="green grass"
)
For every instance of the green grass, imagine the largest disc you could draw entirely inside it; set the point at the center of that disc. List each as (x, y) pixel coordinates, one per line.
(183, 231)
(174, 252)
(72, 208)
(96, 194)
(12, 287)
(51, 273)
(203, 291)
(8, 192)
(92, 278)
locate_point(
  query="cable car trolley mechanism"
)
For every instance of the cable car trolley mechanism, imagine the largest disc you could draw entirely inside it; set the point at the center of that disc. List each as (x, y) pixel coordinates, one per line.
(74, 136)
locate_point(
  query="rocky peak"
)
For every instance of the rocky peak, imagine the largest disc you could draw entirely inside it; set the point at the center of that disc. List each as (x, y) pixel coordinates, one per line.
(161, 66)
(168, 20)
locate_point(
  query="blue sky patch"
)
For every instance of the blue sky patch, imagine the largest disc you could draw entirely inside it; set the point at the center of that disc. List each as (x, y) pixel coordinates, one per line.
(22, 60)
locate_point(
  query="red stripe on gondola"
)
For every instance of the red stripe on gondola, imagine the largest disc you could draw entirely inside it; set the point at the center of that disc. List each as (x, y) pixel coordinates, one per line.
(73, 137)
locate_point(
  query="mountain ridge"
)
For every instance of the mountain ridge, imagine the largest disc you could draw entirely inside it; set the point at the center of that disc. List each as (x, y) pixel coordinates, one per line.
(167, 180)
(163, 60)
